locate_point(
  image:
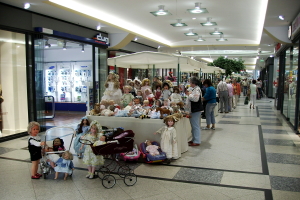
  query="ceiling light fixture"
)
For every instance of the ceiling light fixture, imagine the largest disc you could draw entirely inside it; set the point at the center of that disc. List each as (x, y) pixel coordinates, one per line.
(47, 45)
(222, 39)
(65, 45)
(26, 5)
(158, 47)
(179, 23)
(98, 27)
(194, 18)
(135, 39)
(190, 33)
(161, 11)
(200, 39)
(281, 17)
(197, 9)
(216, 32)
(209, 23)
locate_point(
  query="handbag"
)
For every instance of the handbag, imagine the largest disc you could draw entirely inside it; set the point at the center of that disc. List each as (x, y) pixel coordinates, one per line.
(246, 100)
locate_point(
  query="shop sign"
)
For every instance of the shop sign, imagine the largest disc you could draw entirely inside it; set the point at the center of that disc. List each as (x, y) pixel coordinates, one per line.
(101, 39)
(295, 26)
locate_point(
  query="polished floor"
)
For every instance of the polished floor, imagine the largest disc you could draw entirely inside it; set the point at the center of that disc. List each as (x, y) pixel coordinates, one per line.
(252, 154)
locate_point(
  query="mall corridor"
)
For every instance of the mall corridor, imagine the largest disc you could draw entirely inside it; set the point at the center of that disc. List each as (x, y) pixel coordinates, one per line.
(252, 154)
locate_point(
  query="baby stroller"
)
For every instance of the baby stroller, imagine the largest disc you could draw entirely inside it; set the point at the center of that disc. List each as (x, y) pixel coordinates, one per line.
(132, 155)
(50, 135)
(148, 157)
(119, 141)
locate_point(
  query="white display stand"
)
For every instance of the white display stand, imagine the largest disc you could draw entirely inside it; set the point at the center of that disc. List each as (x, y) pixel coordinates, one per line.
(67, 81)
(144, 129)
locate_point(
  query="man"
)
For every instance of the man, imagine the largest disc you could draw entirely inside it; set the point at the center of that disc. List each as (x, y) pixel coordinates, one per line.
(245, 87)
(222, 91)
(259, 87)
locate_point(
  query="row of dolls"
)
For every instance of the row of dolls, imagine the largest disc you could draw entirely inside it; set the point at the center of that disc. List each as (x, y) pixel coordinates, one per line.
(138, 107)
(144, 89)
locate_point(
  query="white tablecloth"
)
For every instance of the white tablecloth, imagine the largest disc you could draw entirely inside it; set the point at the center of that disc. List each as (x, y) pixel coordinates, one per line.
(144, 128)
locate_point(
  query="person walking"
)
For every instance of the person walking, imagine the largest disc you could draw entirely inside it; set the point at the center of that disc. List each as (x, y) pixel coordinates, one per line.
(230, 95)
(223, 95)
(194, 107)
(259, 88)
(236, 92)
(210, 98)
(245, 87)
(253, 93)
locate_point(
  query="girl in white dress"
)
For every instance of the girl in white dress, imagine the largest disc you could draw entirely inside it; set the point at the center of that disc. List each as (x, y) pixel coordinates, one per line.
(168, 141)
(112, 91)
(90, 159)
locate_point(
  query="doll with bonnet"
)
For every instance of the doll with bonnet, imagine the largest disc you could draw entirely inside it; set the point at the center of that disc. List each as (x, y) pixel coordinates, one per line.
(112, 90)
(137, 84)
(145, 85)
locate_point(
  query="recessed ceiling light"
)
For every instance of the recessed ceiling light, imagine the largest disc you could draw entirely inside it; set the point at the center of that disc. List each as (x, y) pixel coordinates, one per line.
(190, 33)
(161, 11)
(135, 39)
(26, 5)
(194, 18)
(222, 39)
(209, 23)
(271, 56)
(197, 9)
(98, 27)
(179, 23)
(281, 17)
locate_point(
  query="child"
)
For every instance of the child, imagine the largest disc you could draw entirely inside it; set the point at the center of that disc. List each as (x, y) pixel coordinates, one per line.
(175, 96)
(64, 165)
(81, 129)
(166, 93)
(34, 147)
(90, 159)
(168, 138)
(127, 96)
(152, 149)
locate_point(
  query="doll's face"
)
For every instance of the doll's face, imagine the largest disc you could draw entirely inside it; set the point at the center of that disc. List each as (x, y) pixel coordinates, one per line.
(102, 138)
(166, 103)
(148, 143)
(146, 82)
(126, 90)
(56, 142)
(147, 92)
(158, 88)
(110, 76)
(166, 87)
(146, 103)
(66, 156)
(34, 131)
(136, 101)
(93, 129)
(85, 121)
(170, 123)
(139, 93)
(154, 79)
(157, 103)
(111, 102)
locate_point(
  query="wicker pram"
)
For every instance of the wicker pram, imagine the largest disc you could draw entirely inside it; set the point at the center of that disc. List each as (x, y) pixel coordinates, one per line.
(119, 141)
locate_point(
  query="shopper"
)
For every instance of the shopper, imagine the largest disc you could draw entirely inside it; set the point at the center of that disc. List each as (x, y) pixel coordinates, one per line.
(194, 107)
(230, 95)
(210, 98)
(245, 87)
(253, 94)
(236, 92)
(223, 95)
(259, 88)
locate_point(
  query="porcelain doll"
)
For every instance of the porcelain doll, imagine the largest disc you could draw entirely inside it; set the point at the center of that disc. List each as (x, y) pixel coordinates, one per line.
(137, 84)
(145, 85)
(127, 96)
(133, 90)
(166, 93)
(175, 96)
(112, 91)
(64, 165)
(149, 96)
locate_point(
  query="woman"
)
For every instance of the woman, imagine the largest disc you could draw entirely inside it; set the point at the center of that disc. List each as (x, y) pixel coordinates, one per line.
(210, 97)
(194, 107)
(253, 93)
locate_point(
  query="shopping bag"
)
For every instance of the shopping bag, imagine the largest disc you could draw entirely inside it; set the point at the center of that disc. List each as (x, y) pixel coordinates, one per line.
(246, 100)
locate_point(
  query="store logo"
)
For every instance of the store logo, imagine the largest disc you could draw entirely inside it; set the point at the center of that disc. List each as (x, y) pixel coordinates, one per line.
(101, 38)
(51, 67)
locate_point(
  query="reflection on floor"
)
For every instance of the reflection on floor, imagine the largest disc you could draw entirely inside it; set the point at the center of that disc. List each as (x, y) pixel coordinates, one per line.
(65, 117)
(252, 154)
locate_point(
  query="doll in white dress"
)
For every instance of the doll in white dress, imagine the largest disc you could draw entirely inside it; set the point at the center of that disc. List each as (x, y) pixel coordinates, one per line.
(112, 91)
(168, 141)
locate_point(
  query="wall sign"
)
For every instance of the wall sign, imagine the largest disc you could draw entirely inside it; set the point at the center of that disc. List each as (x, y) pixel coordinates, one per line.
(101, 38)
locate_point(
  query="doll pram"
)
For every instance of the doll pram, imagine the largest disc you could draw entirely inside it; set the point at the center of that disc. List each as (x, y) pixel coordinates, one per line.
(148, 157)
(50, 135)
(133, 155)
(118, 142)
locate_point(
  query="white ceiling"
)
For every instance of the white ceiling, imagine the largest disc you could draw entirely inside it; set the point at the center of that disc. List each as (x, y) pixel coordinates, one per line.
(241, 21)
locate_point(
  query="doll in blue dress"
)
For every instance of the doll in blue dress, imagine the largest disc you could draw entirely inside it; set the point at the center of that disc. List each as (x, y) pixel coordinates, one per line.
(64, 165)
(81, 130)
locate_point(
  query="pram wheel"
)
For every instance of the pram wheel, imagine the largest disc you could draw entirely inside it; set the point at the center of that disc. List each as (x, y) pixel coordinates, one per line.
(108, 181)
(123, 170)
(102, 172)
(130, 179)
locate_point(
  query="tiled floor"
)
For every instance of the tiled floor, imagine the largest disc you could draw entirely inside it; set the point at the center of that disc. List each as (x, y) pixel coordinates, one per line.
(251, 155)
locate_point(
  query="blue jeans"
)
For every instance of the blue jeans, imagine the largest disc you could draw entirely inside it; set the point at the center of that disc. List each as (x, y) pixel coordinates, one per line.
(196, 131)
(210, 114)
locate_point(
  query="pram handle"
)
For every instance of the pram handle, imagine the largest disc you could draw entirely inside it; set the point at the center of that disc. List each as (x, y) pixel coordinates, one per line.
(85, 141)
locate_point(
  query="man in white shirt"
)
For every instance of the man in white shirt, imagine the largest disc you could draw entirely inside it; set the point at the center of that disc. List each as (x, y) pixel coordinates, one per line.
(222, 91)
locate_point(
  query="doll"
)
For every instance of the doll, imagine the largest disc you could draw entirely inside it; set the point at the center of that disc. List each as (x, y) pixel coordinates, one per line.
(145, 85)
(149, 96)
(127, 96)
(175, 96)
(139, 94)
(35, 148)
(58, 144)
(166, 105)
(101, 141)
(112, 90)
(168, 138)
(171, 77)
(152, 149)
(157, 92)
(137, 84)
(156, 82)
(133, 90)
(81, 129)
(166, 93)
(90, 159)
(64, 165)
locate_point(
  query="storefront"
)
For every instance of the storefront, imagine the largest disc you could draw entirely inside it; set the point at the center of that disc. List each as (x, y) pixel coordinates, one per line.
(45, 70)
